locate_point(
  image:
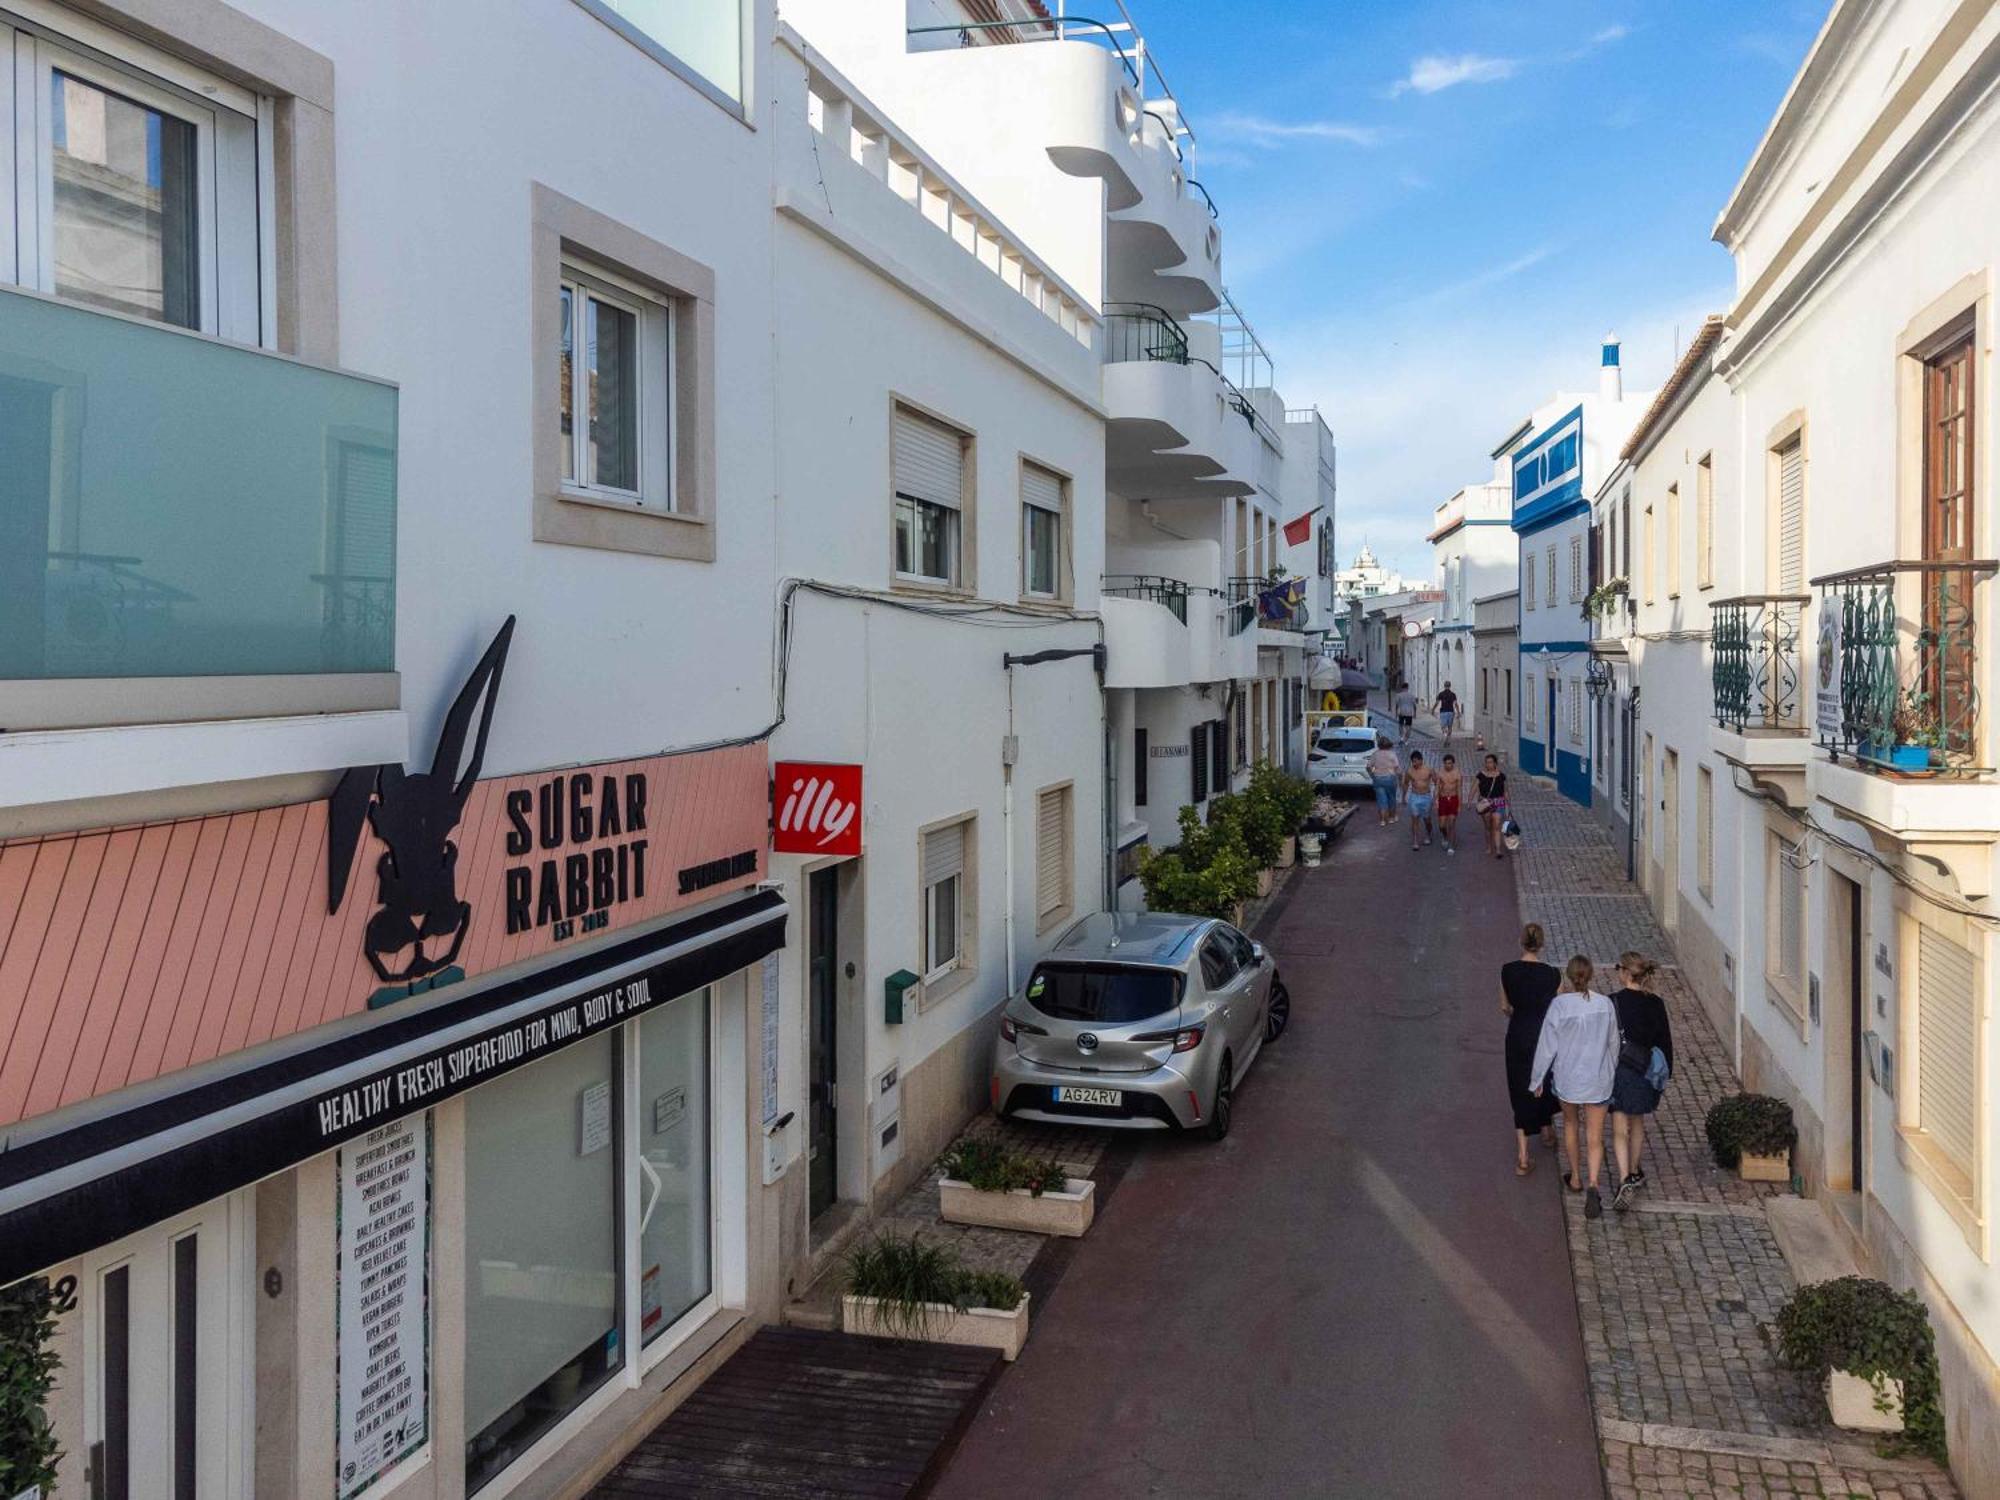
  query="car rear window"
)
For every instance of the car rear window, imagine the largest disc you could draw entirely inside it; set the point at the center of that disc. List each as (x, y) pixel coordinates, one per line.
(1347, 743)
(1101, 993)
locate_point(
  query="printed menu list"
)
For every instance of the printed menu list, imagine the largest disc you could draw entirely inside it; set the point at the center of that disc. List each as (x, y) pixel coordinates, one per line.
(384, 1290)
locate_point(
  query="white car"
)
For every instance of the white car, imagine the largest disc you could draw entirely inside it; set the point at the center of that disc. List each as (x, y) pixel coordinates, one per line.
(1339, 759)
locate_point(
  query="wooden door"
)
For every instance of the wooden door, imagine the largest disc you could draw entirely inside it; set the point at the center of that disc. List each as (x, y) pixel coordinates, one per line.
(1945, 661)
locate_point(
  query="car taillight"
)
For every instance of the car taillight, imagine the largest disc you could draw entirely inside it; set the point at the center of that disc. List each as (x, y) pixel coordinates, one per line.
(1008, 1030)
(1187, 1039)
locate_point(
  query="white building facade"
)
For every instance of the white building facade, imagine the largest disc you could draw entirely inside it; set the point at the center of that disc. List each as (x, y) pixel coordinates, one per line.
(1824, 844)
(1475, 554)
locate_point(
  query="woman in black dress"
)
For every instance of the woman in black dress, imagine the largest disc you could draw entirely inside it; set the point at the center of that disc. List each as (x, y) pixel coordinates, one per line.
(1527, 985)
(1642, 1026)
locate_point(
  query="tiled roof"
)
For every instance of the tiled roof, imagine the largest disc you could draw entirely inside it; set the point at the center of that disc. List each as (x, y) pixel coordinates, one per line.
(1690, 364)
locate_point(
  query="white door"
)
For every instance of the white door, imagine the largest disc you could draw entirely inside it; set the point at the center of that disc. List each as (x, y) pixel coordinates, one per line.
(164, 1413)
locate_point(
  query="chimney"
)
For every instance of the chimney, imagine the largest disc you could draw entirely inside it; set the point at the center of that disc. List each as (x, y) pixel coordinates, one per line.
(1610, 378)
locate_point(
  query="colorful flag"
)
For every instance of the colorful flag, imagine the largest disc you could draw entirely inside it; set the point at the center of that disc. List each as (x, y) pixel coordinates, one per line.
(1298, 530)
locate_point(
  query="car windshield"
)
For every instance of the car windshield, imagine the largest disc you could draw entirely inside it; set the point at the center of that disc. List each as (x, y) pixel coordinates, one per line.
(1101, 993)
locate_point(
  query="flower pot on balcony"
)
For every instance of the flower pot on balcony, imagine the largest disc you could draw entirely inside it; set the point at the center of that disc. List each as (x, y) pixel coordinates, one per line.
(940, 1323)
(1066, 1212)
(1863, 1405)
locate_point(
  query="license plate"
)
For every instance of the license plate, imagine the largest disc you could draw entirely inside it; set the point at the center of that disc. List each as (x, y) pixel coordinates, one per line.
(1111, 1097)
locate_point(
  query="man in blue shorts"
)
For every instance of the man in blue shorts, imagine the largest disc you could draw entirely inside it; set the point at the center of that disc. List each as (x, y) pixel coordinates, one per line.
(1447, 710)
(1420, 796)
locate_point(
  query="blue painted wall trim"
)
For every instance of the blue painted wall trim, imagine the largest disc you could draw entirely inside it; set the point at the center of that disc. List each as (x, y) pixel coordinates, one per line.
(1532, 759)
(1547, 648)
(1557, 506)
(1573, 777)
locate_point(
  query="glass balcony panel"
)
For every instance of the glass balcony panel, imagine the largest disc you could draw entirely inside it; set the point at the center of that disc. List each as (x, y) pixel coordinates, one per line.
(175, 506)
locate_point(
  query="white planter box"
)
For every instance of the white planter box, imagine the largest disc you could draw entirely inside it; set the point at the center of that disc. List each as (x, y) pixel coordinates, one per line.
(1288, 852)
(1852, 1403)
(1765, 1168)
(1066, 1212)
(1264, 882)
(941, 1323)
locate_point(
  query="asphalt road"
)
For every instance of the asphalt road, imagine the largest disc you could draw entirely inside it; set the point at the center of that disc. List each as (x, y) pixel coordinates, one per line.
(1353, 1295)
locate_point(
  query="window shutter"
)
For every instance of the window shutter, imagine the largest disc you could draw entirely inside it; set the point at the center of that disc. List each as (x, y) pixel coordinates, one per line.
(1791, 518)
(1947, 1039)
(930, 460)
(1218, 754)
(1138, 768)
(1791, 910)
(1198, 764)
(944, 854)
(1704, 830)
(1576, 570)
(1052, 851)
(1041, 488)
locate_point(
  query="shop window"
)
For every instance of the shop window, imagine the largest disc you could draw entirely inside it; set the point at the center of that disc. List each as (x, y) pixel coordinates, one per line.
(542, 1309)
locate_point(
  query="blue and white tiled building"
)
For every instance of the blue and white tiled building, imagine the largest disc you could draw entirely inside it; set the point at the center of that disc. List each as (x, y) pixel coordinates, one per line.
(1558, 458)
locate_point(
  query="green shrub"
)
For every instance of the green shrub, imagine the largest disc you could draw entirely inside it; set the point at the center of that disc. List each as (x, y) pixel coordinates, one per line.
(911, 1277)
(1206, 874)
(1259, 822)
(28, 1449)
(1868, 1329)
(1291, 797)
(1753, 1123)
(991, 1168)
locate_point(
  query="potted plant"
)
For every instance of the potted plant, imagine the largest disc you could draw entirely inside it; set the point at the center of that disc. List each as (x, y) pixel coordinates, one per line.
(28, 1448)
(1209, 873)
(1872, 1348)
(1284, 799)
(1912, 743)
(904, 1287)
(985, 1183)
(1753, 1134)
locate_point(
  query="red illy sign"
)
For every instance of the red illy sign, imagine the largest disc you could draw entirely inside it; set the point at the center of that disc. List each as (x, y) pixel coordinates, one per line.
(816, 808)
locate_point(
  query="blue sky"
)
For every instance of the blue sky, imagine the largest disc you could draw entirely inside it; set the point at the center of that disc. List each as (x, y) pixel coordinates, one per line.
(1434, 209)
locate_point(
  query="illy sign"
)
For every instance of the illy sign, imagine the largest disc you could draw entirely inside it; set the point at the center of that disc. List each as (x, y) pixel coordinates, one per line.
(818, 808)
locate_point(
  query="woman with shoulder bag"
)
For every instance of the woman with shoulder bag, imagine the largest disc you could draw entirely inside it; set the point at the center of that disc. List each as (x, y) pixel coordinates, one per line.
(1645, 1062)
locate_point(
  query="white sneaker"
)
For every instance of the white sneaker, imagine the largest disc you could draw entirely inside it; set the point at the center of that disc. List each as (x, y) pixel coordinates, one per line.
(1449, 849)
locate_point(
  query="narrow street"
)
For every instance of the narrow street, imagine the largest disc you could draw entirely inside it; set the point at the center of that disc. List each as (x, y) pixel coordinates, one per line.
(1353, 1294)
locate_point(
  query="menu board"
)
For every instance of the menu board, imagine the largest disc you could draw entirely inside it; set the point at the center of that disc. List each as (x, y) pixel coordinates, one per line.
(383, 1329)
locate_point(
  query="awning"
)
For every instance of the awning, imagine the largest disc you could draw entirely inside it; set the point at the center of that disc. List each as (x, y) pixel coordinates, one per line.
(106, 1177)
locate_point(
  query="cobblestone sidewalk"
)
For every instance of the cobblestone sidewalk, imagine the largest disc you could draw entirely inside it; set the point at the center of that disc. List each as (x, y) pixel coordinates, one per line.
(1690, 1400)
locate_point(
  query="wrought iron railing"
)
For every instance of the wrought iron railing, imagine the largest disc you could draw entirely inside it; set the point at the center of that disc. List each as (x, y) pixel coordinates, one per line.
(1171, 592)
(1250, 595)
(1755, 668)
(1897, 651)
(1135, 331)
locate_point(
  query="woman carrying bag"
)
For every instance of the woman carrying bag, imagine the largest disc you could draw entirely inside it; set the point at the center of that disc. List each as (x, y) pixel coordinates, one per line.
(1645, 1062)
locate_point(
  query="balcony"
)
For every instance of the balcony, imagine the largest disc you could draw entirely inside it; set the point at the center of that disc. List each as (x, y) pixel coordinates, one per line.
(1898, 710)
(212, 519)
(1757, 683)
(1103, 109)
(1279, 621)
(1146, 638)
(1177, 429)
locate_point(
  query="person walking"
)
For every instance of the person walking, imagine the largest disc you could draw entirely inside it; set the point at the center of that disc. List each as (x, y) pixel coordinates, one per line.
(1386, 772)
(1527, 985)
(1447, 709)
(1406, 709)
(1645, 1062)
(1419, 792)
(1491, 802)
(1579, 1044)
(1450, 786)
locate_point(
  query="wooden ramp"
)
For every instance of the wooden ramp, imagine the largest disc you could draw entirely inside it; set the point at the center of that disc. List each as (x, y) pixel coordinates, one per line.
(798, 1412)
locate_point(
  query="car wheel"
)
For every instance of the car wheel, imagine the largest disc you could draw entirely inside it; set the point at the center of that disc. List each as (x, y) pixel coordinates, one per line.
(1278, 1012)
(1225, 1102)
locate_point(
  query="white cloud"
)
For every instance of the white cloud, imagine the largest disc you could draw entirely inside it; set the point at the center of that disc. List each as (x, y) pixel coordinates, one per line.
(1256, 130)
(1504, 271)
(1430, 75)
(1610, 34)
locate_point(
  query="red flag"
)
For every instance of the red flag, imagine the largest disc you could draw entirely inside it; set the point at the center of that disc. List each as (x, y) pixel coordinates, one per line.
(1299, 530)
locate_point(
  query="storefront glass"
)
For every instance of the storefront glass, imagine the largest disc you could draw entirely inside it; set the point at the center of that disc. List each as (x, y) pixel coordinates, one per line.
(541, 1238)
(675, 1207)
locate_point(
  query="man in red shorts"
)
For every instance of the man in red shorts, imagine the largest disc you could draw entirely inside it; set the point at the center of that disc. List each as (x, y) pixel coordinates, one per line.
(1448, 794)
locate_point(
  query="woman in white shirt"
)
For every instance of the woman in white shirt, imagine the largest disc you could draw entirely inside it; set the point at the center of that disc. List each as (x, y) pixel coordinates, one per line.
(1580, 1043)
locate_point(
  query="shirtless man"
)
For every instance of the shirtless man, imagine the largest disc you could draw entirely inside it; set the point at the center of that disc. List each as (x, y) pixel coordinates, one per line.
(1449, 787)
(1419, 792)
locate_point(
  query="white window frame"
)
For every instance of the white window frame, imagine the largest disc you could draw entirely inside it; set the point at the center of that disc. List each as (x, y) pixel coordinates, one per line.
(1028, 514)
(935, 972)
(233, 160)
(653, 401)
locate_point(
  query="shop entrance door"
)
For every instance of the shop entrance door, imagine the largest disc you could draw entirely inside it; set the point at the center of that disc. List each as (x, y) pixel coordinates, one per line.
(822, 1122)
(158, 1403)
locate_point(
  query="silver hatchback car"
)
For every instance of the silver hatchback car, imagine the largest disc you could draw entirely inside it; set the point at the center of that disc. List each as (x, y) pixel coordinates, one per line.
(1139, 1022)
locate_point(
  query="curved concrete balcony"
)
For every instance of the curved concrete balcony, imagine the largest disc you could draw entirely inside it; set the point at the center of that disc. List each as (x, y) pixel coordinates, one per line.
(1145, 643)
(1171, 435)
(1167, 248)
